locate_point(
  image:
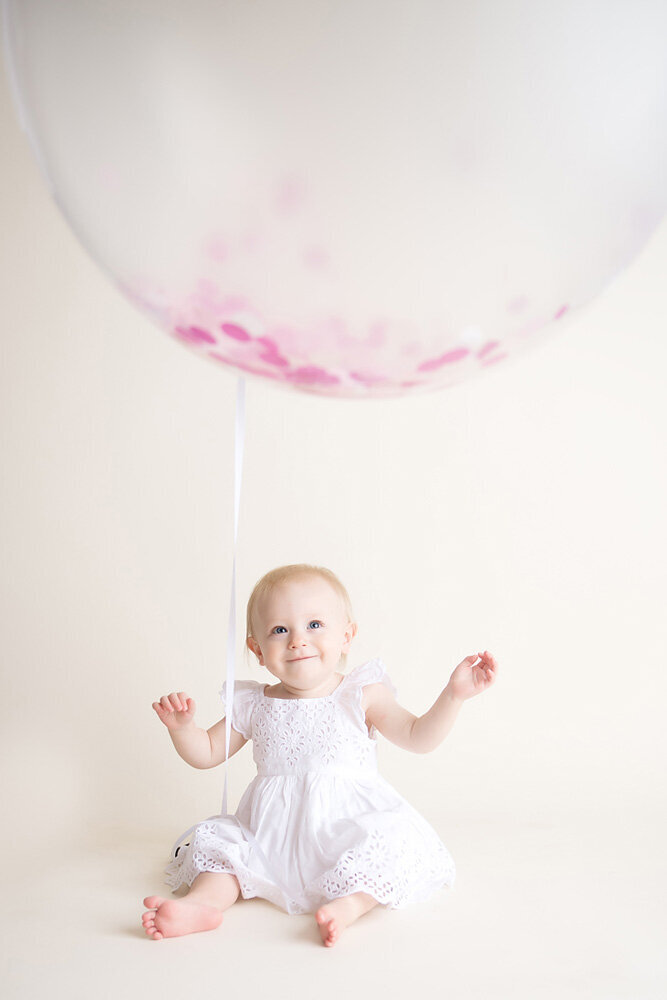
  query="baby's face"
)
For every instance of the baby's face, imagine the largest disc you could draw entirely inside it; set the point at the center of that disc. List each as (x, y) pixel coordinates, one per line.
(300, 632)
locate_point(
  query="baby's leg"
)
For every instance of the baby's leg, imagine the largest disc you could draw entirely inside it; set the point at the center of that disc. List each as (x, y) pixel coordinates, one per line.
(335, 916)
(201, 910)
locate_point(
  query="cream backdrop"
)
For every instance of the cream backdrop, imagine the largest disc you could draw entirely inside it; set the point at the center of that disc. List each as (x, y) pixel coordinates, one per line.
(521, 512)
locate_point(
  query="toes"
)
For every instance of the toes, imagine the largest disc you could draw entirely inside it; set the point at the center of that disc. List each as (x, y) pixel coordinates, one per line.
(151, 930)
(153, 901)
(148, 918)
(328, 927)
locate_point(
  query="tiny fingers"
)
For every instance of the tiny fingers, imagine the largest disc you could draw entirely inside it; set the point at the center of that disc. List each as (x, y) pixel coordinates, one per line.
(174, 702)
(169, 703)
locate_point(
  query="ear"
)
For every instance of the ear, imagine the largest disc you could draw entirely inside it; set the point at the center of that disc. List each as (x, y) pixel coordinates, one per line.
(350, 633)
(254, 646)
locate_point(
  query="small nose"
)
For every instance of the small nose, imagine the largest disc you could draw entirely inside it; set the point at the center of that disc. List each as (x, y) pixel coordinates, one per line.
(297, 639)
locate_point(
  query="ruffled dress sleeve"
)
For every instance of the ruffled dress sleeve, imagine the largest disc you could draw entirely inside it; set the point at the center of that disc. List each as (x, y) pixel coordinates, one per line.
(246, 694)
(372, 672)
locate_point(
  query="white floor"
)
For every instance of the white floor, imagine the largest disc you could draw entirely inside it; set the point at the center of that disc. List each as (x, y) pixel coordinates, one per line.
(556, 908)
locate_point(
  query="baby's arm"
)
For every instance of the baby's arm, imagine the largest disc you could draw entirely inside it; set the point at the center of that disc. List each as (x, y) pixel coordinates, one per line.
(426, 732)
(199, 747)
(469, 678)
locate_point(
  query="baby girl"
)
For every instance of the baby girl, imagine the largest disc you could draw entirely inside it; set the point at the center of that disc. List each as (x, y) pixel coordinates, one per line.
(318, 830)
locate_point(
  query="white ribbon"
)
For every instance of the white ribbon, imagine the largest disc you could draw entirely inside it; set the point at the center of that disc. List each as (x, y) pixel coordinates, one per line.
(239, 436)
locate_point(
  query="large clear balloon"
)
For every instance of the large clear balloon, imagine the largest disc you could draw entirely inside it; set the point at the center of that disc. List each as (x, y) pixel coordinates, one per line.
(351, 197)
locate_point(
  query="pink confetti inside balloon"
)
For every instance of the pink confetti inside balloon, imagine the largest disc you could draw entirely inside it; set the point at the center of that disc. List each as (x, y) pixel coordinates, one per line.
(361, 198)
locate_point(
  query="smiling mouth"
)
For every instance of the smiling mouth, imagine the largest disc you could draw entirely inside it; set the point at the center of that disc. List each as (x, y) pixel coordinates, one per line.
(299, 658)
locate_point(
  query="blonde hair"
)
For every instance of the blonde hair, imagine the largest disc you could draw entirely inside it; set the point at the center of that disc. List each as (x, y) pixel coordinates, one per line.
(275, 577)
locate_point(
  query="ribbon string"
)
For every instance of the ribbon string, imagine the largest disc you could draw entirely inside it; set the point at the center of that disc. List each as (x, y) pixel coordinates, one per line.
(239, 438)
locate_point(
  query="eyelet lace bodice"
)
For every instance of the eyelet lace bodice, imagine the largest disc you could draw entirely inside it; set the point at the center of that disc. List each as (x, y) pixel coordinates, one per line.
(298, 736)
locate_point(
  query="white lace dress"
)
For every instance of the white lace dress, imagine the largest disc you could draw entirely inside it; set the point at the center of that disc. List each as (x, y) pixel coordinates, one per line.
(318, 821)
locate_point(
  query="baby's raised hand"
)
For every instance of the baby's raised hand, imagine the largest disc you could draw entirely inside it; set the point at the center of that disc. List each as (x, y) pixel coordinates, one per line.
(175, 710)
(472, 677)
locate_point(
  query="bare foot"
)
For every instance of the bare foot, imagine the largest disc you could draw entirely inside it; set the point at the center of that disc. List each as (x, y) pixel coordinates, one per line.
(332, 919)
(173, 917)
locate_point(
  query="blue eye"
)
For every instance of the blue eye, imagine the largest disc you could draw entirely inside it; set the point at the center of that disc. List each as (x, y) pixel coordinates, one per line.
(279, 629)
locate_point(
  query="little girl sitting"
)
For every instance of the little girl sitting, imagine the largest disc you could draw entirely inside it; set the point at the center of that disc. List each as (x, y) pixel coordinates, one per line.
(318, 830)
